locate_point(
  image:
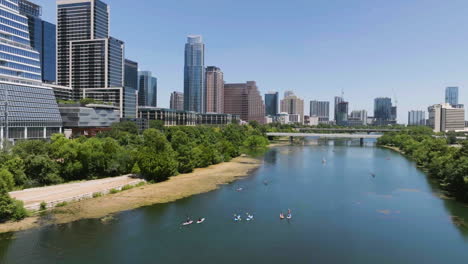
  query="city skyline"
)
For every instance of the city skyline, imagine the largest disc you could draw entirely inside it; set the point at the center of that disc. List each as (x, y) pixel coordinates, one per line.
(404, 79)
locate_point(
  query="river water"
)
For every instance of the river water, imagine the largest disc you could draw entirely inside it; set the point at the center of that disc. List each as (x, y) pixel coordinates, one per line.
(364, 205)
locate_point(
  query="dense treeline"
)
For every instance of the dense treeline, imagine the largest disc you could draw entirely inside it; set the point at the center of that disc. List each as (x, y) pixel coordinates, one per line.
(449, 165)
(156, 154)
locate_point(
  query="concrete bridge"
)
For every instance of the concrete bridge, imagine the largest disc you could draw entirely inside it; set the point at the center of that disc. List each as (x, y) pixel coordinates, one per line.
(361, 137)
(348, 130)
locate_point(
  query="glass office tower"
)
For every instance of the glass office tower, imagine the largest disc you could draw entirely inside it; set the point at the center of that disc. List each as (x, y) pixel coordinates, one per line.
(194, 74)
(451, 96)
(43, 38)
(147, 89)
(271, 103)
(27, 109)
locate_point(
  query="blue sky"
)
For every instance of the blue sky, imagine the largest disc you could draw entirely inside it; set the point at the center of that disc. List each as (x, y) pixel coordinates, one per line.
(368, 48)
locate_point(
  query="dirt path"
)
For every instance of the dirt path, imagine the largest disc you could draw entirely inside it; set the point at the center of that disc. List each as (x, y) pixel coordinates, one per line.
(178, 187)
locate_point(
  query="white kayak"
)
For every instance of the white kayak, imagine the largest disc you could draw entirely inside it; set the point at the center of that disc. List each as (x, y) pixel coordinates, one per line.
(187, 223)
(201, 221)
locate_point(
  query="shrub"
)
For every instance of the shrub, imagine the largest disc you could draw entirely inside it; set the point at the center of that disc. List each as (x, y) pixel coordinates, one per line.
(43, 206)
(140, 184)
(97, 194)
(62, 204)
(11, 209)
(127, 187)
(113, 191)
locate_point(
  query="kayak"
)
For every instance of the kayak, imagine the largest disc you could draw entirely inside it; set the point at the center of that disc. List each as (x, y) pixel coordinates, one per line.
(187, 223)
(201, 221)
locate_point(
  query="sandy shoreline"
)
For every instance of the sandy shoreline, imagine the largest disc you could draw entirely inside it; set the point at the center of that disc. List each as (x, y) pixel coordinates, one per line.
(177, 187)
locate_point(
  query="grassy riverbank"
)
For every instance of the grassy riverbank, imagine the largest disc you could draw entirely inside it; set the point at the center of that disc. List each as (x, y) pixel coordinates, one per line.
(177, 187)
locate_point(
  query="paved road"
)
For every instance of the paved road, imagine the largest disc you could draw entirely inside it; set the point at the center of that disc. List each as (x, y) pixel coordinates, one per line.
(71, 191)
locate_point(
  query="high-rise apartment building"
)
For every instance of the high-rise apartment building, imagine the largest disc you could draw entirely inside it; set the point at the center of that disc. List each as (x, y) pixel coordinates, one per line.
(451, 96)
(88, 59)
(177, 101)
(147, 89)
(43, 38)
(194, 74)
(271, 103)
(293, 105)
(320, 109)
(214, 92)
(27, 109)
(358, 117)
(445, 118)
(416, 118)
(384, 112)
(244, 99)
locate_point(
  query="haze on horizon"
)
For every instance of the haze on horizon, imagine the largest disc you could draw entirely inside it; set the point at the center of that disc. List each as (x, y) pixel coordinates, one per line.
(408, 50)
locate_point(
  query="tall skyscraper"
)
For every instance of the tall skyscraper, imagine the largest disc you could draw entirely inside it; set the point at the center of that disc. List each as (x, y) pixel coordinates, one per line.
(293, 105)
(79, 20)
(88, 60)
(177, 101)
(244, 99)
(43, 38)
(130, 88)
(271, 103)
(384, 112)
(194, 74)
(416, 118)
(451, 96)
(27, 109)
(342, 113)
(131, 74)
(320, 109)
(147, 89)
(214, 96)
(338, 99)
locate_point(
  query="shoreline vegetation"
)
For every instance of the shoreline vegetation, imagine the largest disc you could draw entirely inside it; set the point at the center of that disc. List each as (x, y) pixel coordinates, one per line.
(155, 154)
(199, 181)
(445, 164)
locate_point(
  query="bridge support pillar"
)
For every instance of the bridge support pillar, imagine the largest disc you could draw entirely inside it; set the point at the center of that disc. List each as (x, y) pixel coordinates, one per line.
(361, 141)
(291, 139)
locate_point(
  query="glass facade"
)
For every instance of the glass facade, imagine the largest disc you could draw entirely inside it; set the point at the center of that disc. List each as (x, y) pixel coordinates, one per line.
(19, 62)
(25, 106)
(131, 74)
(194, 74)
(271, 104)
(320, 109)
(147, 89)
(416, 118)
(451, 96)
(115, 63)
(130, 102)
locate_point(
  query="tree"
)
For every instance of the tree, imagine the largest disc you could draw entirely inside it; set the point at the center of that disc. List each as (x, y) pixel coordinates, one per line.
(43, 170)
(157, 159)
(125, 126)
(7, 181)
(15, 166)
(156, 124)
(255, 142)
(10, 209)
